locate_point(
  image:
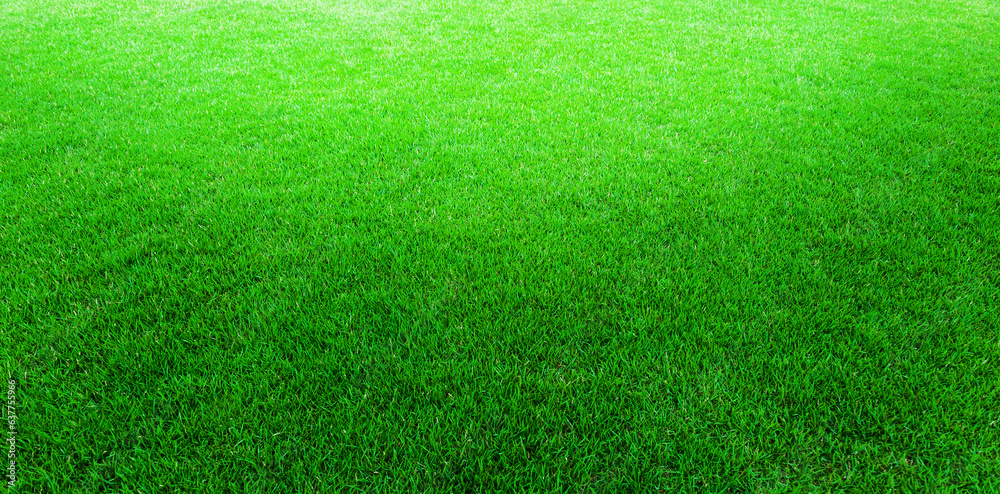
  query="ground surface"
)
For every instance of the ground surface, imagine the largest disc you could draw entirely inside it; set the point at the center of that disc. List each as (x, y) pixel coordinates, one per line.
(609, 245)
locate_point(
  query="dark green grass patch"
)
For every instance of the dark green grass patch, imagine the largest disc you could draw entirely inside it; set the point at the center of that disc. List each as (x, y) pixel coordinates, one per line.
(609, 246)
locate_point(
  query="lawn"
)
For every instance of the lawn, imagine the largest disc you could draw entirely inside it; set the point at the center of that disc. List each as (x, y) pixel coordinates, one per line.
(500, 245)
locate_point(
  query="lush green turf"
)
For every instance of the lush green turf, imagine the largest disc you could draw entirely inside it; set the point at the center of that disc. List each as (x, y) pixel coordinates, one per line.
(595, 246)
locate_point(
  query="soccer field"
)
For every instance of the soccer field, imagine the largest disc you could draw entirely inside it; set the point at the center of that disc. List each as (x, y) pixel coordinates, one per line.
(500, 245)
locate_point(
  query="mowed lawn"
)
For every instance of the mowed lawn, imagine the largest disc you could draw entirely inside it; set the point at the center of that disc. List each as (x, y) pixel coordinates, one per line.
(501, 245)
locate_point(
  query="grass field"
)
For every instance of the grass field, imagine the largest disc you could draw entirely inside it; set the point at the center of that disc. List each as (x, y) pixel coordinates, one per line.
(497, 245)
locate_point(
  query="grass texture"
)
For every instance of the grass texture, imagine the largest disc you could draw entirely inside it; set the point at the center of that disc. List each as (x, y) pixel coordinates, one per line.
(501, 245)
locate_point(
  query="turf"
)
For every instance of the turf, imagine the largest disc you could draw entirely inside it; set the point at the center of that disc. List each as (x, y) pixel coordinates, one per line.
(501, 245)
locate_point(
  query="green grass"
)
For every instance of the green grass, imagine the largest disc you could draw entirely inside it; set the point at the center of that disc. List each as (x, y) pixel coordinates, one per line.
(452, 246)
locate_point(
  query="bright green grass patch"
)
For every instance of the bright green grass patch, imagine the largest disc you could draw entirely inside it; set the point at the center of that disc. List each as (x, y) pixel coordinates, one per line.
(615, 245)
